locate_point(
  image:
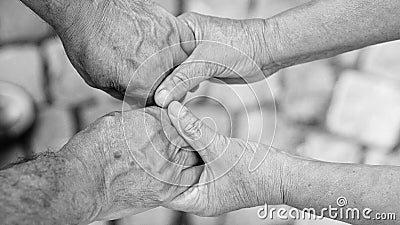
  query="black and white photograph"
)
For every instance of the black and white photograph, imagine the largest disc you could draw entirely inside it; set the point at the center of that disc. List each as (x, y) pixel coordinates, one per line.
(199, 112)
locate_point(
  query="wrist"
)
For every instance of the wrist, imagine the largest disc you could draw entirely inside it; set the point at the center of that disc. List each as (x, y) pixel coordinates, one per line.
(273, 46)
(296, 175)
(86, 179)
(278, 173)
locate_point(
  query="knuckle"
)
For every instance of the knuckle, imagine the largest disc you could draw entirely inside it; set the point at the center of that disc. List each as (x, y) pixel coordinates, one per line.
(181, 80)
(193, 128)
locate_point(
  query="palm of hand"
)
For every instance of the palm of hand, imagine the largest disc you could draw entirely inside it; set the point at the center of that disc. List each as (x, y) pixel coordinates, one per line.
(224, 184)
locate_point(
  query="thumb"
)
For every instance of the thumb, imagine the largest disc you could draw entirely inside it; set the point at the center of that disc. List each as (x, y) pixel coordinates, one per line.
(198, 135)
(187, 76)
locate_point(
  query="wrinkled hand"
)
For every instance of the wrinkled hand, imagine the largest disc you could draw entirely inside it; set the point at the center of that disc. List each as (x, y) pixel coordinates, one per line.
(234, 51)
(225, 182)
(108, 40)
(135, 165)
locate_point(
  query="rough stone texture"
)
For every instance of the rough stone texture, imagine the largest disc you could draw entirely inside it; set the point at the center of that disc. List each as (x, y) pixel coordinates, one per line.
(157, 216)
(22, 66)
(55, 127)
(308, 91)
(221, 8)
(67, 86)
(17, 22)
(366, 108)
(383, 60)
(328, 148)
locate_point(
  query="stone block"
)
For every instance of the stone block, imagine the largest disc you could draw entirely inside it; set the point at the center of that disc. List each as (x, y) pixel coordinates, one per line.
(67, 86)
(376, 157)
(98, 108)
(366, 108)
(23, 66)
(18, 22)
(383, 60)
(55, 126)
(325, 147)
(308, 90)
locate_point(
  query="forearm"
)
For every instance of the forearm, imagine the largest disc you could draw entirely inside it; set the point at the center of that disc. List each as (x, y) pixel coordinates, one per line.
(325, 28)
(318, 185)
(54, 188)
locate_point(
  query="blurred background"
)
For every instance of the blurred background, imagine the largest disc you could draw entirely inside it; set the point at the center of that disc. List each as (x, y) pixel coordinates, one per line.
(343, 109)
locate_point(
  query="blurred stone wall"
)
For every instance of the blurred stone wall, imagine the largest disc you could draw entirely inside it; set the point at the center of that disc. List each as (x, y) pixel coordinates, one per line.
(344, 109)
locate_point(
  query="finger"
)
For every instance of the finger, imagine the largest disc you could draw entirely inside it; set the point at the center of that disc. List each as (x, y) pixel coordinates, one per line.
(188, 158)
(197, 134)
(191, 21)
(188, 194)
(187, 36)
(190, 177)
(199, 67)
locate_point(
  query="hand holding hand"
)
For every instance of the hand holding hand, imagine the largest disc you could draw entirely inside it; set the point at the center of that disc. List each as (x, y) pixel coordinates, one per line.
(134, 165)
(225, 182)
(234, 51)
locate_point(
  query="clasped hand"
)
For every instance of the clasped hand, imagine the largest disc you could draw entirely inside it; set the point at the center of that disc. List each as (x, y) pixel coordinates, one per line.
(207, 173)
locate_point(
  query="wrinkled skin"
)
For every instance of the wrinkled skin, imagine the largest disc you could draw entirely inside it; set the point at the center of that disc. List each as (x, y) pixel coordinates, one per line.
(233, 51)
(127, 162)
(108, 40)
(226, 183)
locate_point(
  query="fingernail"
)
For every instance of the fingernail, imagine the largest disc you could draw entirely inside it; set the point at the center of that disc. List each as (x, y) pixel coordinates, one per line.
(162, 97)
(177, 110)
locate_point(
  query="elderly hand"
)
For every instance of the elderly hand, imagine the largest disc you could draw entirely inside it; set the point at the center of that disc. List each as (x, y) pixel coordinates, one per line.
(134, 165)
(225, 182)
(108, 40)
(234, 51)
